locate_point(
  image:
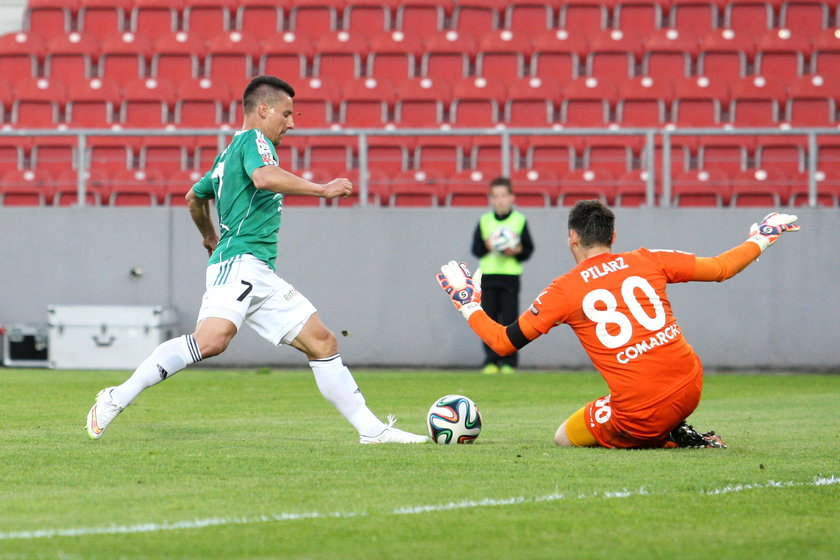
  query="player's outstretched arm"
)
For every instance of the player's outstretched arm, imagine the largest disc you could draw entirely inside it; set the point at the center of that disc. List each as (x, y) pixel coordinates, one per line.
(464, 290)
(728, 264)
(277, 179)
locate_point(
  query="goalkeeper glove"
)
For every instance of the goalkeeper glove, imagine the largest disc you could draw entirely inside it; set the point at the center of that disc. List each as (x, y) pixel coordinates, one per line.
(463, 288)
(766, 232)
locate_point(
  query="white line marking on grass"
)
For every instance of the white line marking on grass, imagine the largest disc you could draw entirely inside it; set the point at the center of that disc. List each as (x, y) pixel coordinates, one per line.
(411, 510)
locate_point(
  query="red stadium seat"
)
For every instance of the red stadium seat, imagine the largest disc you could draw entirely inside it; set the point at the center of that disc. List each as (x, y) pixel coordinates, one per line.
(65, 188)
(529, 16)
(92, 103)
(25, 188)
(394, 56)
(613, 54)
(13, 150)
(38, 103)
(314, 99)
(49, 17)
(825, 59)
(644, 102)
(783, 154)
(447, 56)
(313, 17)
(20, 54)
(755, 101)
(138, 187)
(71, 55)
(340, 56)
(366, 103)
(553, 154)
(759, 187)
(486, 153)
(611, 155)
(378, 189)
(428, 15)
(54, 155)
(533, 187)
(694, 16)
(477, 17)
(107, 155)
(102, 18)
(176, 185)
(124, 57)
(147, 103)
(828, 189)
(369, 17)
(698, 101)
(585, 184)
(631, 188)
(441, 154)
(748, 16)
(329, 154)
(421, 102)
(390, 154)
(287, 54)
(804, 16)
(418, 188)
(178, 56)
(700, 188)
(164, 155)
(584, 16)
(230, 59)
(503, 54)
(828, 153)
(156, 18)
(587, 101)
(725, 53)
(261, 19)
(468, 188)
(559, 54)
(640, 16)
(209, 17)
(668, 54)
(782, 54)
(531, 102)
(201, 103)
(811, 102)
(725, 153)
(476, 102)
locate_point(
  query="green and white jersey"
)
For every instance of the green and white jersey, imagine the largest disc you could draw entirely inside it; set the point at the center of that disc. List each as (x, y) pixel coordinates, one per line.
(249, 218)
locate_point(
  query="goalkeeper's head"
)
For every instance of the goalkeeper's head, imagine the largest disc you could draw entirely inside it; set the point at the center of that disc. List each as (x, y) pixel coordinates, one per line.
(593, 224)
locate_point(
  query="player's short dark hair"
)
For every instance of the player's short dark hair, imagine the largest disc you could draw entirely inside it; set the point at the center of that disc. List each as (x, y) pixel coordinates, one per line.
(502, 182)
(265, 89)
(594, 223)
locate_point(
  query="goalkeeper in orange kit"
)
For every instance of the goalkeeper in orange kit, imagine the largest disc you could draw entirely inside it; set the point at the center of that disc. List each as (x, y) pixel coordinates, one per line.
(617, 306)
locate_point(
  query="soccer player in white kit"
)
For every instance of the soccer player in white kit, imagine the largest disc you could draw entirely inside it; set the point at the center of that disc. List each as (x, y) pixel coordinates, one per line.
(241, 286)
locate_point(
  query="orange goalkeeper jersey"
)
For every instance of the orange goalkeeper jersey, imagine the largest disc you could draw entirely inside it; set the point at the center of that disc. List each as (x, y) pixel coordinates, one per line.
(617, 306)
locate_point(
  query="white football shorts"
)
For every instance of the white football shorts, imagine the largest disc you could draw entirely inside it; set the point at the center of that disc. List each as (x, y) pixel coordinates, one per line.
(244, 288)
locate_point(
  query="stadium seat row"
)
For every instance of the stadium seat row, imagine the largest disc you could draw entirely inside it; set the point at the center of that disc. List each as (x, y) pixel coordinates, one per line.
(262, 18)
(423, 188)
(233, 57)
(423, 102)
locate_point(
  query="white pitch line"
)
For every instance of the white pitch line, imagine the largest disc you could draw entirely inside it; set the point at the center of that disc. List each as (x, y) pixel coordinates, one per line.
(411, 510)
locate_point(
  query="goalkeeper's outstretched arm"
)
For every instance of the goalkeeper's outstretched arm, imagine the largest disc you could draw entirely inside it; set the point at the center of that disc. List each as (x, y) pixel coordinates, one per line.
(728, 264)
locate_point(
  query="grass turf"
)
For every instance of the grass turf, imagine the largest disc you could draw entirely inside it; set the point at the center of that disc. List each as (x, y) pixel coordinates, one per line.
(255, 464)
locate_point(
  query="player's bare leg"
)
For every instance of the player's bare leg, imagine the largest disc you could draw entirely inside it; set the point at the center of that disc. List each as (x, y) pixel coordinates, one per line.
(337, 385)
(573, 432)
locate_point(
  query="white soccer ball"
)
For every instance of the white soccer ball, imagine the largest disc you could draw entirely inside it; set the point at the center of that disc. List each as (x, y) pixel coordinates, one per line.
(503, 239)
(454, 419)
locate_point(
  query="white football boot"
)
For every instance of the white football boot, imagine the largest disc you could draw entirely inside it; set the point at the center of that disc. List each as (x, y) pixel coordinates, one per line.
(103, 411)
(394, 435)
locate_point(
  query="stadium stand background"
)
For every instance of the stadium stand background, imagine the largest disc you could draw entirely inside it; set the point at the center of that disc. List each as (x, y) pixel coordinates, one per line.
(436, 65)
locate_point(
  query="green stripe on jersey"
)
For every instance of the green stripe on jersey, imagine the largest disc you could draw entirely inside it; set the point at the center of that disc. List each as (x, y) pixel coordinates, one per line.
(249, 218)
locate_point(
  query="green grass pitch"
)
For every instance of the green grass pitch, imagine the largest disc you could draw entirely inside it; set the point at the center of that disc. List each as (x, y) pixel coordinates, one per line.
(256, 465)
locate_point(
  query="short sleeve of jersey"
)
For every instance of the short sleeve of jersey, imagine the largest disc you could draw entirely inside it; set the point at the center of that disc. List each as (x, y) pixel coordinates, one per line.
(257, 152)
(204, 187)
(677, 265)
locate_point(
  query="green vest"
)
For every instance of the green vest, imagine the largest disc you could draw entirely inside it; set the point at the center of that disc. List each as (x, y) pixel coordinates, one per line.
(494, 263)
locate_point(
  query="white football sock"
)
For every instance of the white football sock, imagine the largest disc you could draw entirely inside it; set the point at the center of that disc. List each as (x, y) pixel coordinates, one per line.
(165, 361)
(337, 385)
